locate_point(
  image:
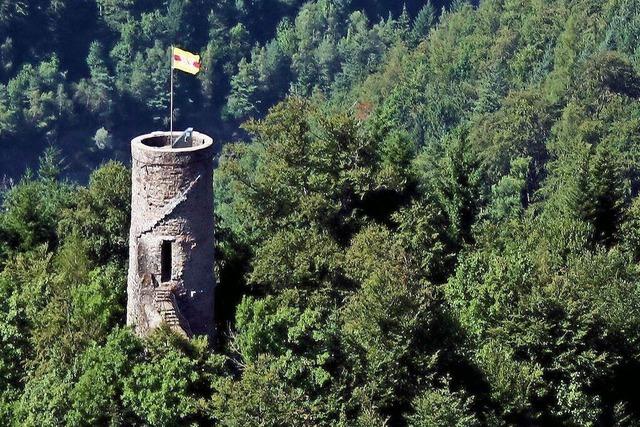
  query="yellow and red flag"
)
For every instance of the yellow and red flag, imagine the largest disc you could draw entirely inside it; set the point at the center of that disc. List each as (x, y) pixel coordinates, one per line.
(185, 61)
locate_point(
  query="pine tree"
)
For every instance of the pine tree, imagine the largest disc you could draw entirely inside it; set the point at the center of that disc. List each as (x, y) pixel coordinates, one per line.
(423, 23)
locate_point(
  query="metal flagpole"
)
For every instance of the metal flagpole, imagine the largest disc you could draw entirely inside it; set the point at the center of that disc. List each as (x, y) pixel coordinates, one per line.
(171, 101)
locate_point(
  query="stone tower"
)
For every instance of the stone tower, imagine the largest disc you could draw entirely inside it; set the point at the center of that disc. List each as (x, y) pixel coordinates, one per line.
(171, 241)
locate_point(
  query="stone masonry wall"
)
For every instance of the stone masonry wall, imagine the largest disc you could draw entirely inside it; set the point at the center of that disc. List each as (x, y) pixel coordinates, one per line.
(172, 201)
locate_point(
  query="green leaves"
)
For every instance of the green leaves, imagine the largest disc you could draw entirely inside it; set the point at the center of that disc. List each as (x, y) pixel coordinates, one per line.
(442, 407)
(96, 395)
(297, 258)
(158, 390)
(101, 213)
(266, 395)
(33, 208)
(387, 321)
(547, 336)
(307, 169)
(444, 233)
(37, 99)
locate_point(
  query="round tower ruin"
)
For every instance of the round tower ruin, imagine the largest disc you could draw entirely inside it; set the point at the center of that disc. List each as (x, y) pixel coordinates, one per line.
(171, 241)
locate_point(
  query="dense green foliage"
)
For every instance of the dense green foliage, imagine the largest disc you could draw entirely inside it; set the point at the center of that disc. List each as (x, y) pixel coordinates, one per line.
(438, 225)
(86, 75)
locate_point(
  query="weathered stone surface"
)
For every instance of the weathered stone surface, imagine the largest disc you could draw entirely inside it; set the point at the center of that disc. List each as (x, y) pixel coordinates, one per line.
(171, 224)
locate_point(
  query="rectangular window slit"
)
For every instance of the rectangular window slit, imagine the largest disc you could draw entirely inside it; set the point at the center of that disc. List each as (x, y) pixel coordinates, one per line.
(165, 269)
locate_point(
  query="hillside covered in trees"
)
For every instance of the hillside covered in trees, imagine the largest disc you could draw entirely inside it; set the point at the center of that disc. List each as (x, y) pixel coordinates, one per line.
(429, 216)
(88, 75)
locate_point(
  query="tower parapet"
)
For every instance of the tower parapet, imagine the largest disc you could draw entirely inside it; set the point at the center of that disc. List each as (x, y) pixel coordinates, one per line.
(171, 239)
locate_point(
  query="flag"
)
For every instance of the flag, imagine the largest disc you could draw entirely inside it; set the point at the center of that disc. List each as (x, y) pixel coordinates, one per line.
(185, 61)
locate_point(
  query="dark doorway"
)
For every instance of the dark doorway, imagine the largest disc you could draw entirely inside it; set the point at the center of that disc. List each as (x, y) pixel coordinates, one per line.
(165, 258)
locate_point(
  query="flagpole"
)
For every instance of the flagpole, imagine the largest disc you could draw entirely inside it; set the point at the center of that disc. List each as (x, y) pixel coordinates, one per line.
(171, 100)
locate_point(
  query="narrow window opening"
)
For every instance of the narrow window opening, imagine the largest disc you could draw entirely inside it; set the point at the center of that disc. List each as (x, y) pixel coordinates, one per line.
(165, 268)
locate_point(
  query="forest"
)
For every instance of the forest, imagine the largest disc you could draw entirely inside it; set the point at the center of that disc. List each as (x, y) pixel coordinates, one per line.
(88, 75)
(427, 213)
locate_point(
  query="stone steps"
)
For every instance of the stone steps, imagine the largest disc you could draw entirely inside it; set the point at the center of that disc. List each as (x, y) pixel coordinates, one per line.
(164, 301)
